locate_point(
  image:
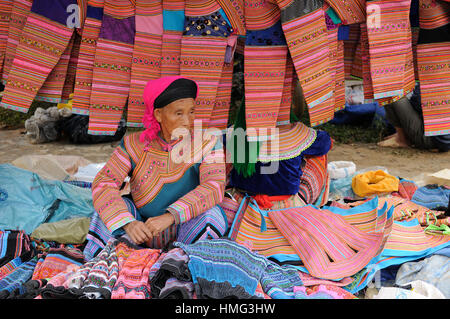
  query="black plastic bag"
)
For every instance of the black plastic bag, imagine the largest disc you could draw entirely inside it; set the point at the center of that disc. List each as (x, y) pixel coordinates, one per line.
(75, 127)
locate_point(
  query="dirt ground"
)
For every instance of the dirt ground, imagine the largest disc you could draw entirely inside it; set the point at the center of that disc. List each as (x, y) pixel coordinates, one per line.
(406, 163)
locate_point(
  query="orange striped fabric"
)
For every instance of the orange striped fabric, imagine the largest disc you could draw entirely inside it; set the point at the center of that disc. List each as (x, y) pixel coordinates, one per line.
(171, 42)
(170, 50)
(264, 76)
(389, 46)
(366, 75)
(349, 11)
(337, 68)
(433, 61)
(111, 72)
(261, 14)
(339, 87)
(52, 88)
(350, 48)
(69, 84)
(406, 210)
(40, 47)
(19, 14)
(268, 241)
(415, 39)
(202, 60)
(284, 112)
(198, 8)
(329, 246)
(433, 14)
(219, 114)
(357, 61)
(234, 10)
(5, 17)
(411, 237)
(308, 45)
(146, 60)
(83, 79)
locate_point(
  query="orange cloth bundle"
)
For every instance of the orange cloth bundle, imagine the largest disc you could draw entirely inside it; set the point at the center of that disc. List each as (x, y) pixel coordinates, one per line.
(374, 182)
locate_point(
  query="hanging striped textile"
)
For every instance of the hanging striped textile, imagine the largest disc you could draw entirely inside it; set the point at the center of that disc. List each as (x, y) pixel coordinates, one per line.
(83, 80)
(339, 88)
(204, 46)
(433, 61)
(6, 7)
(219, 115)
(173, 24)
(42, 42)
(69, 84)
(433, 14)
(234, 10)
(306, 36)
(264, 84)
(112, 67)
(332, 49)
(328, 245)
(146, 62)
(52, 88)
(350, 48)
(415, 39)
(349, 11)
(260, 15)
(366, 75)
(356, 70)
(202, 60)
(284, 111)
(389, 44)
(19, 14)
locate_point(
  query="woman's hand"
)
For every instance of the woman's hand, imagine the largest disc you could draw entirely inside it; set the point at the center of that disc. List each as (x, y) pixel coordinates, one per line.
(138, 232)
(159, 223)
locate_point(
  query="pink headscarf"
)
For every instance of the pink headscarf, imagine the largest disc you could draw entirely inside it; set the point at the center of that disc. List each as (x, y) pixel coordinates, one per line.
(151, 92)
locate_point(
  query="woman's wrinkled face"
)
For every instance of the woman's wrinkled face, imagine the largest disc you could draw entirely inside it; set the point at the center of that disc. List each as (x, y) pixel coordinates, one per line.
(176, 115)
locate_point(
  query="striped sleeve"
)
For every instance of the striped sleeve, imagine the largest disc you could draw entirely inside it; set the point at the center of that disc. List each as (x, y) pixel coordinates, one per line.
(208, 193)
(105, 190)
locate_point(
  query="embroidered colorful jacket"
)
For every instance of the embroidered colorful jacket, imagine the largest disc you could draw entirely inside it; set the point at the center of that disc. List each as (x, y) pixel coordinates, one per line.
(159, 181)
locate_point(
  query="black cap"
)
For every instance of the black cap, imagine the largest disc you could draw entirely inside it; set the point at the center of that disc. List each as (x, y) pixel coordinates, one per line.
(178, 89)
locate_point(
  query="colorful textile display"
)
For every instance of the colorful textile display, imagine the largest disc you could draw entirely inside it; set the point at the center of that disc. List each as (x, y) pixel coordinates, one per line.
(130, 42)
(19, 13)
(306, 35)
(389, 67)
(433, 60)
(146, 62)
(112, 67)
(43, 41)
(57, 260)
(83, 80)
(325, 249)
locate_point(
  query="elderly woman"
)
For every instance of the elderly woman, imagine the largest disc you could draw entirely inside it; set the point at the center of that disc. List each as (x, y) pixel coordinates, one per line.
(169, 200)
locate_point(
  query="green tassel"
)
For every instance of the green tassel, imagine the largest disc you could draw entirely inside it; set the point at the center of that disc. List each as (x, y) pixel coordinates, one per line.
(248, 167)
(292, 117)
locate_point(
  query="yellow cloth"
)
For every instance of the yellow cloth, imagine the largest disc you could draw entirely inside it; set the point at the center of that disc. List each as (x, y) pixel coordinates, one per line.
(374, 182)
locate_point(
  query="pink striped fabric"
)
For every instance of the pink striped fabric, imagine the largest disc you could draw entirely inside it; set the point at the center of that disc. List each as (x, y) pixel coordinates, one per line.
(264, 77)
(146, 61)
(329, 246)
(85, 65)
